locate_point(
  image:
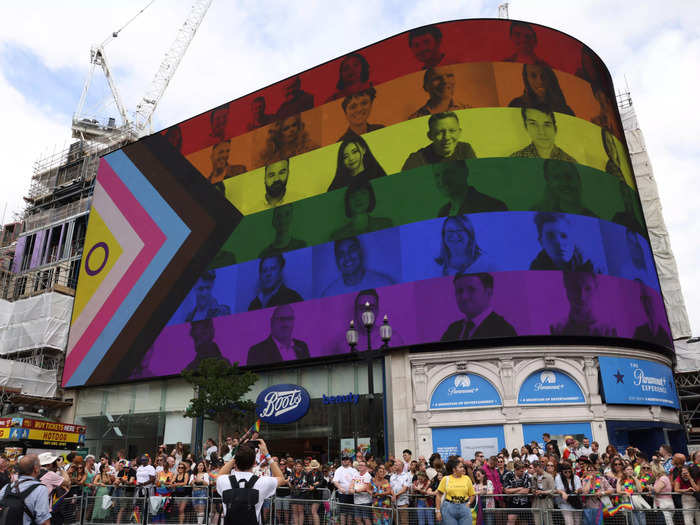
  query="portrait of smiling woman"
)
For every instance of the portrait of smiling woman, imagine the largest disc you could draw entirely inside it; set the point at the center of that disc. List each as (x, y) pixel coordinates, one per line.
(357, 109)
(355, 160)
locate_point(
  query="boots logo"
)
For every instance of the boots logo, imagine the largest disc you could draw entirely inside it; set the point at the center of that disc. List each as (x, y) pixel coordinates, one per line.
(282, 403)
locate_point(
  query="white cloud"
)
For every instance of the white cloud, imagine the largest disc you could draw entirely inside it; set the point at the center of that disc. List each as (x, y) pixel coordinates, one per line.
(247, 44)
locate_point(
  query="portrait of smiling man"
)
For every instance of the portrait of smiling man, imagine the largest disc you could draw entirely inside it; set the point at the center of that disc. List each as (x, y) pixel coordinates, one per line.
(444, 132)
(354, 275)
(357, 108)
(439, 83)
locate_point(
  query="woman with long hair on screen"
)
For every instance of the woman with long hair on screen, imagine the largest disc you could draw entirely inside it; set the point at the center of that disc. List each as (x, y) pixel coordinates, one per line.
(355, 160)
(541, 89)
(459, 250)
(353, 76)
(360, 201)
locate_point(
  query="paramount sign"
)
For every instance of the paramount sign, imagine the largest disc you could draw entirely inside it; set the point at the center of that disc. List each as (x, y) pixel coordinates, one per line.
(282, 403)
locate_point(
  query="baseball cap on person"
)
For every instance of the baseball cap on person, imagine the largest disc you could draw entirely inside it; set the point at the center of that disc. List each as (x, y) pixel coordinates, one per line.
(46, 458)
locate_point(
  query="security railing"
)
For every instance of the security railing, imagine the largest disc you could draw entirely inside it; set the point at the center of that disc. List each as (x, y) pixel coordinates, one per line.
(182, 506)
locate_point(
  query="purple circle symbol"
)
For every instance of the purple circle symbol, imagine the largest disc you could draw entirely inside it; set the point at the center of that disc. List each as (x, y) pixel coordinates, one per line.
(102, 245)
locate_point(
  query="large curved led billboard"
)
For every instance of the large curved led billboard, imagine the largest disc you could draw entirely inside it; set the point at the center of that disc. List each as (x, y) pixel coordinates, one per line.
(469, 179)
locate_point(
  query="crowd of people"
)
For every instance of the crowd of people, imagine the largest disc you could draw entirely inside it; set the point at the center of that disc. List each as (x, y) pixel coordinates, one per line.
(580, 481)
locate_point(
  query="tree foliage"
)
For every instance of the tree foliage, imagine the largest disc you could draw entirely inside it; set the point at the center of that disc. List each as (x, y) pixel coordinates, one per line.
(220, 387)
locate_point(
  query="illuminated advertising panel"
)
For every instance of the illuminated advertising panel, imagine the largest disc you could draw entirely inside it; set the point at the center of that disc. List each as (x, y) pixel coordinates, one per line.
(469, 179)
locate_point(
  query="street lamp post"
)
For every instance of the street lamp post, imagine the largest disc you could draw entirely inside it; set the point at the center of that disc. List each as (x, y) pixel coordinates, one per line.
(351, 336)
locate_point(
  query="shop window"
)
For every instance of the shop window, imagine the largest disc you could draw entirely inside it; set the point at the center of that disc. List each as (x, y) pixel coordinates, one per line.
(315, 380)
(119, 400)
(178, 395)
(148, 397)
(343, 379)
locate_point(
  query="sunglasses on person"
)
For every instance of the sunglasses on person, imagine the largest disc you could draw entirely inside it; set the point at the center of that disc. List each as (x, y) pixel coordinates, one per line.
(550, 464)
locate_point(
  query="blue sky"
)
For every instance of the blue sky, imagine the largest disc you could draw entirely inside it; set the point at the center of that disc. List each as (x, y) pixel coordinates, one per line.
(44, 53)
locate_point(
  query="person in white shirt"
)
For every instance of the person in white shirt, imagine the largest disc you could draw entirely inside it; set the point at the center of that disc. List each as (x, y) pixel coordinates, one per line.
(361, 488)
(407, 454)
(245, 461)
(585, 448)
(211, 448)
(400, 482)
(145, 476)
(342, 479)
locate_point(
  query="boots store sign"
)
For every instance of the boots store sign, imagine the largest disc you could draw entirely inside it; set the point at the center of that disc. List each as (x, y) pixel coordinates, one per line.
(282, 403)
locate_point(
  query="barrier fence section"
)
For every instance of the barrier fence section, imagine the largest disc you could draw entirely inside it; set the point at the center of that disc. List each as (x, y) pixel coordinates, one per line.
(80, 507)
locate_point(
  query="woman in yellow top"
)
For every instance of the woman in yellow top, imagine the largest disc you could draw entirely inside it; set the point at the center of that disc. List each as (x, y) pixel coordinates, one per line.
(454, 496)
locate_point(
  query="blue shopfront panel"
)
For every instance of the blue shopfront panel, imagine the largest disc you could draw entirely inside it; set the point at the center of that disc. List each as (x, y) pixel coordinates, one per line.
(548, 387)
(464, 391)
(637, 382)
(557, 431)
(449, 441)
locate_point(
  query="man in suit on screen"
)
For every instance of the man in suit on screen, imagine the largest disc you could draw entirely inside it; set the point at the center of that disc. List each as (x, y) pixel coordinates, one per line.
(474, 295)
(452, 181)
(271, 288)
(280, 345)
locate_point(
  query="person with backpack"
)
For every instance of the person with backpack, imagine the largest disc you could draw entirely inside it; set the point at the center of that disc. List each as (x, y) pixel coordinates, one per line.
(25, 501)
(242, 492)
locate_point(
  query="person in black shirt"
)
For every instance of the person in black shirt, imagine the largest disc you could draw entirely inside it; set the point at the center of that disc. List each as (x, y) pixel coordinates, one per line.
(271, 288)
(444, 132)
(355, 161)
(541, 88)
(559, 249)
(452, 181)
(284, 241)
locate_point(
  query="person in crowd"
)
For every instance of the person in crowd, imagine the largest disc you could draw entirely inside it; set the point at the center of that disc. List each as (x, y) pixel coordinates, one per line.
(439, 83)
(484, 488)
(571, 452)
(613, 164)
(459, 250)
(279, 346)
(452, 182)
(381, 497)
(229, 448)
(124, 482)
(594, 486)
(426, 45)
(568, 486)
(455, 495)
(163, 488)
(178, 452)
(182, 484)
(526, 452)
(298, 482)
(355, 161)
(563, 190)
(244, 461)
(103, 482)
(541, 89)
(687, 487)
(541, 126)
(474, 297)
(543, 485)
(354, 275)
(518, 483)
(629, 484)
(361, 489)
(200, 490)
(581, 289)
(662, 489)
(287, 138)
(343, 480)
(585, 448)
(36, 500)
(211, 448)
(203, 334)
(90, 466)
(357, 108)
(423, 499)
(353, 76)
(400, 481)
(491, 469)
(52, 477)
(524, 40)
(296, 100)
(444, 132)
(360, 202)
(271, 288)
(221, 169)
(652, 330)
(316, 481)
(615, 473)
(284, 240)
(666, 453)
(206, 305)
(258, 117)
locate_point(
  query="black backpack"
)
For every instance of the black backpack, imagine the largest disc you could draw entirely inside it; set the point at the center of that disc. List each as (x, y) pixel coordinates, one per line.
(12, 506)
(240, 502)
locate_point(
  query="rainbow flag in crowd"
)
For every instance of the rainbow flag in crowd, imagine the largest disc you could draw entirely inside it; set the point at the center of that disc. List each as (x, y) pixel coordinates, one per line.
(256, 426)
(609, 512)
(136, 515)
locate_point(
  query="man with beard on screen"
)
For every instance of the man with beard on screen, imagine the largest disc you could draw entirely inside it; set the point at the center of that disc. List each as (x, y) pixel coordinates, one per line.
(276, 179)
(581, 290)
(271, 288)
(280, 345)
(474, 296)
(202, 333)
(354, 275)
(452, 181)
(426, 45)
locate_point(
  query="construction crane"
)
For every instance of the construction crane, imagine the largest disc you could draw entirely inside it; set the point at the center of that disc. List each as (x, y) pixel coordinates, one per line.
(131, 127)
